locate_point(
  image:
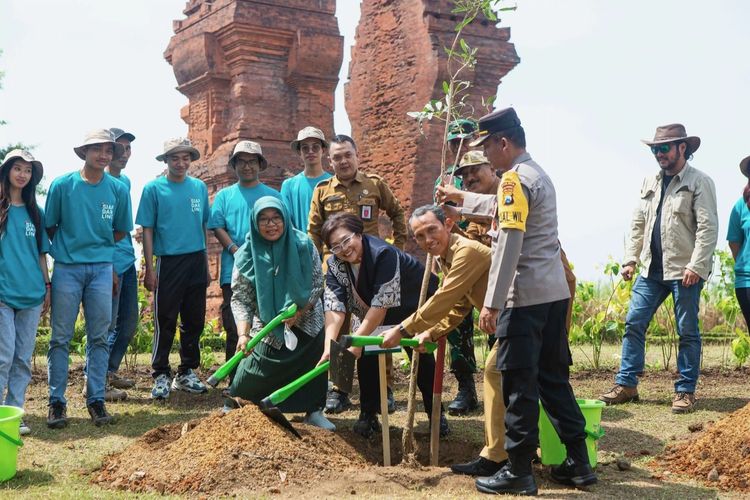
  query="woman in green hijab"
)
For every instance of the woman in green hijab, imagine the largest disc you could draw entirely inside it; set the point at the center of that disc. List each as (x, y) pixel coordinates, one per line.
(277, 266)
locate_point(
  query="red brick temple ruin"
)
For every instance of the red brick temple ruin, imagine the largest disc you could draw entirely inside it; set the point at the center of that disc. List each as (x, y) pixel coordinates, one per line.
(263, 69)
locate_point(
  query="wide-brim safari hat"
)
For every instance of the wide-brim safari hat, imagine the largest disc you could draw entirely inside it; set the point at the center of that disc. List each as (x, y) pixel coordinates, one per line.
(745, 166)
(99, 136)
(37, 170)
(470, 159)
(309, 133)
(251, 148)
(672, 133)
(178, 145)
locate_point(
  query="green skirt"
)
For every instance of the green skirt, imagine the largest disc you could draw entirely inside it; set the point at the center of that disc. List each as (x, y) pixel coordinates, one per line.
(268, 369)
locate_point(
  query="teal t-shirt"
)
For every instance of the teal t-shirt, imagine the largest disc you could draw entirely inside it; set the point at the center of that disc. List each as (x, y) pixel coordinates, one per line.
(296, 193)
(231, 212)
(739, 232)
(86, 216)
(21, 279)
(124, 252)
(177, 212)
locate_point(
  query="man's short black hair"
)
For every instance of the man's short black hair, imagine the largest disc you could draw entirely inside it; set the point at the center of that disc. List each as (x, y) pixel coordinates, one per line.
(341, 138)
(435, 210)
(515, 136)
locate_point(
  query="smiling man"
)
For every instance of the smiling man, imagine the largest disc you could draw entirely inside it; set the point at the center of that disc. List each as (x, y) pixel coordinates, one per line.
(230, 222)
(673, 236)
(465, 265)
(173, 214)
(87, 211)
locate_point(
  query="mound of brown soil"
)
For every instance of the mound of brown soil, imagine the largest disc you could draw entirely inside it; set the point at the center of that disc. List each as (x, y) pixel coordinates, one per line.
(221, 453)
(719, 455)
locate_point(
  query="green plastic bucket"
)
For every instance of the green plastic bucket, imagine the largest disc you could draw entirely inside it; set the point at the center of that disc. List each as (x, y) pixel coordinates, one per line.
(10, 440)
(553, 451)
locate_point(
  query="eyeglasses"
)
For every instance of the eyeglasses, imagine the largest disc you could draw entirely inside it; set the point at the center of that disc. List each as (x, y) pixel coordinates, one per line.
(267, 221)
(343, 245)
(661, 148)
(310, 148)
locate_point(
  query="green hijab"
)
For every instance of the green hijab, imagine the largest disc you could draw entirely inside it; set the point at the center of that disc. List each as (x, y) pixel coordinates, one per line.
(281, 270)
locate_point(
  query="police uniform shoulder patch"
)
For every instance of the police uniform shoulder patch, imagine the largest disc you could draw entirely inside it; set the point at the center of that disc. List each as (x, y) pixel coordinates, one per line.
(512, 205)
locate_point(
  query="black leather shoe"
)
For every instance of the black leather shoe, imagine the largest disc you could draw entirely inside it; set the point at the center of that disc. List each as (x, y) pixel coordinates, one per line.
(466, 398)
(480, 467)
(367, 424)
(505, 482)
(337, 402)
(572, 474)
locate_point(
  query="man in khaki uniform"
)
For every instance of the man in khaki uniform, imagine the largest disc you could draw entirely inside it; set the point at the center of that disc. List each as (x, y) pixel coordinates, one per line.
(363, 195)
(358, 193)
(465, 265)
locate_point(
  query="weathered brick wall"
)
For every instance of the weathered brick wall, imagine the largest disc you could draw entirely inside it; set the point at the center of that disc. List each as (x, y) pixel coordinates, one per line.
(258, 70)
(398, 64)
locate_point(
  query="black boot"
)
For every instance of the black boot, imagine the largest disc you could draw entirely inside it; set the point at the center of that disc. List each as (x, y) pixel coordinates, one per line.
(337, 401)
(570, 473)
(506, 482)
(466, 398)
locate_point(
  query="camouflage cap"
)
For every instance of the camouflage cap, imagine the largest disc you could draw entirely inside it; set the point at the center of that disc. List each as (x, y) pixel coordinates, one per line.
(178, 145)
(461, 129)
(251, 148)
(37, 171)
(470, 159)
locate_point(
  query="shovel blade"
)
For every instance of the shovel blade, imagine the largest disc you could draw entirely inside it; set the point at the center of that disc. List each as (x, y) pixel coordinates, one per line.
(342, 367)
(277, 416)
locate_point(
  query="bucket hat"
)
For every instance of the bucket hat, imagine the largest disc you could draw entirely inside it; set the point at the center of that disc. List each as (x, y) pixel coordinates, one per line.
(178, 145)
(99, 136)
(470, 159)
(249, 147)
(37, 170)
(309, 133)
(745, 166)
(672, 133)
(118, 132)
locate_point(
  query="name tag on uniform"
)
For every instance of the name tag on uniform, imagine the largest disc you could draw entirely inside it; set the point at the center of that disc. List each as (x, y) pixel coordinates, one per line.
(365, 212)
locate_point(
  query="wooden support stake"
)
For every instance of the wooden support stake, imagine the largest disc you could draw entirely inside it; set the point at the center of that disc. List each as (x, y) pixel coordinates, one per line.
(384, 411)
(437, 400)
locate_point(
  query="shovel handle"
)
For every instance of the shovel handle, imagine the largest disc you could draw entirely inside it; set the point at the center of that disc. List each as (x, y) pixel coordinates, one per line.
(281, 395)
(361, 341)
(225, 369)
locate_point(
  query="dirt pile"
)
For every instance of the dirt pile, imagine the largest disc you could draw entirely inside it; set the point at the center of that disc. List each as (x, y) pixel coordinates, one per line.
(222, 453)
(718, 456)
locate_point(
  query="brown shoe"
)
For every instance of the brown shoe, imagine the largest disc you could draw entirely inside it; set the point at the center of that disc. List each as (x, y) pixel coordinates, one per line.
(620, 394)
(683, 402)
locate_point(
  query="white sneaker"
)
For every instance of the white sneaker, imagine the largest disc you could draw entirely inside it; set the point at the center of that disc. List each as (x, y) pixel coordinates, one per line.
(24, 430)
(161, 388)
(317, 419)
(189, 382)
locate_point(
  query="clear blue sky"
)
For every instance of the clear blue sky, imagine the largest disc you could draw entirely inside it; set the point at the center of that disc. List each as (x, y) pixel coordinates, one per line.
(595, 78)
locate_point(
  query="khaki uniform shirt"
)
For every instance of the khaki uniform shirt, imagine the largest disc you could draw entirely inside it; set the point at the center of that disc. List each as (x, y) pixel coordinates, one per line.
(367, 195)
(538, 277)
(689, 224)
(465, 271)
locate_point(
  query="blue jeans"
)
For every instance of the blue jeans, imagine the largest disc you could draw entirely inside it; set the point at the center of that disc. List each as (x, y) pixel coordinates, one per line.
(71, 285)
(124, 318)
(647, 295)
(17, 339)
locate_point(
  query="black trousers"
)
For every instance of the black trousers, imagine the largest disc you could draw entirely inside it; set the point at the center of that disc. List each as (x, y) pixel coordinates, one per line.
(534, 358)
(369, 383)
(181, 289)
(227, 319)
(743, 297)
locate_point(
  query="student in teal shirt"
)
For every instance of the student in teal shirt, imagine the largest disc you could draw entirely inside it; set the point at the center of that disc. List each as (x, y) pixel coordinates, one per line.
(297, 191)
(87, 211)
(173, 213)
(230, 221)
(24, 281)
(738, 235)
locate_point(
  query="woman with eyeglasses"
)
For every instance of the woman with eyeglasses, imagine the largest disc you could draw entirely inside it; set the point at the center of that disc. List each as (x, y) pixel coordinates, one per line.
(379, 285)
(737, 236)
(276, 267)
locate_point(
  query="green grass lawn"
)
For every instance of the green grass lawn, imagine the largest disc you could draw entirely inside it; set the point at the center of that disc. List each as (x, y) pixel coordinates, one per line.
(57, 464)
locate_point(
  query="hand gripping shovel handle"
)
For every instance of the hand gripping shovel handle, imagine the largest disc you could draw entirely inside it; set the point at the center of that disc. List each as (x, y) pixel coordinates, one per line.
(281, 395)
(357, 341)
(225, 369)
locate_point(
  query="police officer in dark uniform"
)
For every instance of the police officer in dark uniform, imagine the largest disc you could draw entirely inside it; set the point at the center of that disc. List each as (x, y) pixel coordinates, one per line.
(526, 304)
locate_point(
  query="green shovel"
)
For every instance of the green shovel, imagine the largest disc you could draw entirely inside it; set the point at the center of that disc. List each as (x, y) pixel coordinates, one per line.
(225, 369)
